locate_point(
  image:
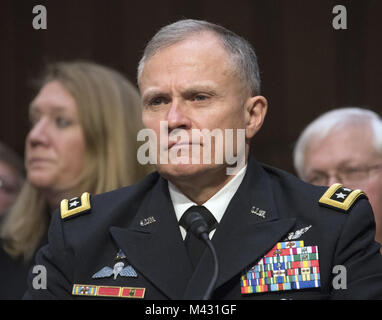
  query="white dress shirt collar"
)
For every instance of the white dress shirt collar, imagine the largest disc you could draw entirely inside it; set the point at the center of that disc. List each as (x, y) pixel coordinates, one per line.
(217, 204)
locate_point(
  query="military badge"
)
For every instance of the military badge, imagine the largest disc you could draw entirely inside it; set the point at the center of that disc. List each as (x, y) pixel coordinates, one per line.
(119, 268)
(120, 255)
(108, 291)
(288, 266)
(297, 234)
(259, 212)
(340, 198)
(84, 290)
(75, 206)
(147, 221)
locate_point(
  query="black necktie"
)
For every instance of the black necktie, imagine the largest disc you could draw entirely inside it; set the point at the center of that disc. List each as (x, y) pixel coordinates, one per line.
(195, 246)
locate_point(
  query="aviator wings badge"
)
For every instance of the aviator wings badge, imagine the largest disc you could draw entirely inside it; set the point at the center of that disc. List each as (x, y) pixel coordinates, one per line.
(118, 269)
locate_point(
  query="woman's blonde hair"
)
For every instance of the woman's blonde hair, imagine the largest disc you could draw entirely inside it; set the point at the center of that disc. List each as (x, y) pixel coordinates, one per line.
(110, 115)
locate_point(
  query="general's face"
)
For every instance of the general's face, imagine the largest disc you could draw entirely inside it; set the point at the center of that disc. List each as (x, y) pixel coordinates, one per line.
(191, 85)
(349, 150)
(55, 145)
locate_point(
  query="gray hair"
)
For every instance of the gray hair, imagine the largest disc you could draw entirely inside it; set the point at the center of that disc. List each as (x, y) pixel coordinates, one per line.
(239, 49)
(321, 127)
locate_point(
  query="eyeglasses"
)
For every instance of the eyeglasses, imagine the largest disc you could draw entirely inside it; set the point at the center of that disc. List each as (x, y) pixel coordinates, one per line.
(347, 176)
(8, 187)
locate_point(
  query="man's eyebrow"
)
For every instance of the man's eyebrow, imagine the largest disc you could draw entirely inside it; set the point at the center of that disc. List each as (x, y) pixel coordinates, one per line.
(317, 171)
(150, 93)
(200, 89)
(192, 89)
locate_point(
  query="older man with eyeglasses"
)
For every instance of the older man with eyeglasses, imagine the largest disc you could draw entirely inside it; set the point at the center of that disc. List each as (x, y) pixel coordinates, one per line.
(344, 146)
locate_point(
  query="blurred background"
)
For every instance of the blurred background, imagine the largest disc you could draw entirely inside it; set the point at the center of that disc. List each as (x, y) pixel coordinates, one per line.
(307, 66)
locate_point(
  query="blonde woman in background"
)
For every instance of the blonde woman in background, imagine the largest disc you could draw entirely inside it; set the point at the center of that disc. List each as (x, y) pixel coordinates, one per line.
(84, 124)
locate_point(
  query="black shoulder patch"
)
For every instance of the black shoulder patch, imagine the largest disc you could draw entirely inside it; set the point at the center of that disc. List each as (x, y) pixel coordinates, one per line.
(340, 198)
(75, 206)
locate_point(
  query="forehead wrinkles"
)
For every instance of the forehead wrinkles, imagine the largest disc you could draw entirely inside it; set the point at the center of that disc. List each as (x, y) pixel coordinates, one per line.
(341, 144)
(206, 46)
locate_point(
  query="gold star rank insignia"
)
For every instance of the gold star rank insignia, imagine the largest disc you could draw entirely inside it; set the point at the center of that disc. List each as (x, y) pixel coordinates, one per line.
(340, 198)
(75, 206)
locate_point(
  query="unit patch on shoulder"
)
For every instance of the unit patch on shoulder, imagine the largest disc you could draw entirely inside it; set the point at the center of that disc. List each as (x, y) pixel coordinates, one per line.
(340, 198)
(74, 206)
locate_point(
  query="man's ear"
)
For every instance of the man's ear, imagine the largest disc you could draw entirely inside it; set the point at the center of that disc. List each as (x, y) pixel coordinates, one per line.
(256, 108)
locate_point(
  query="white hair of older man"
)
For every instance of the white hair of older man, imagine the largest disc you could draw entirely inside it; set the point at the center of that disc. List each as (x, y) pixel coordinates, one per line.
(321, 127)
(240, 50)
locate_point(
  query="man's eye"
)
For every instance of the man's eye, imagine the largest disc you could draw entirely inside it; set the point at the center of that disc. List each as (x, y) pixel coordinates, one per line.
(157, 101)
(350, 170)
(320, 180)
(200, 97)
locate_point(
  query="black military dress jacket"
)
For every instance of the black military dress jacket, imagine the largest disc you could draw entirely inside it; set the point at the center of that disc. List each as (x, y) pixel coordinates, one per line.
(137, 226)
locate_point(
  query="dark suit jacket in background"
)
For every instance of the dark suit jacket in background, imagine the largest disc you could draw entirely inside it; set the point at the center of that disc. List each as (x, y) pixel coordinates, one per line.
(14, 272)
(13, 276)
(83, 245)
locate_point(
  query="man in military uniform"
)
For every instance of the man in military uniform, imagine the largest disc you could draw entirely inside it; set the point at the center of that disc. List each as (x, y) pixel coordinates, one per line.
(275, 236)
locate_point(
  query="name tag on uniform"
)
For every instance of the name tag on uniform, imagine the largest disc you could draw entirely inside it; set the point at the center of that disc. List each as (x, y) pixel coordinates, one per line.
(287, 266)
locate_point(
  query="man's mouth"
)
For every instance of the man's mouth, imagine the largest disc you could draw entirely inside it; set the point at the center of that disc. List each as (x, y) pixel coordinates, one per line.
(182, 144)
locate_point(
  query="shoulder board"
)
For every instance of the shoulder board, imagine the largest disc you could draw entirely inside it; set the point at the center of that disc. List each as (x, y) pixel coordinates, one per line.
(340, 198)
(75, 206)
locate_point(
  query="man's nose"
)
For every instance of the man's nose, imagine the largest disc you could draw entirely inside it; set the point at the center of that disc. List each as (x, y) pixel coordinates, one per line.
(177, 117)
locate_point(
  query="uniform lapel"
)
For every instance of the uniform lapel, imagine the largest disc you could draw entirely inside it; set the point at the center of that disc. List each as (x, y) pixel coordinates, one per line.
(157, 250)
(242, 237)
